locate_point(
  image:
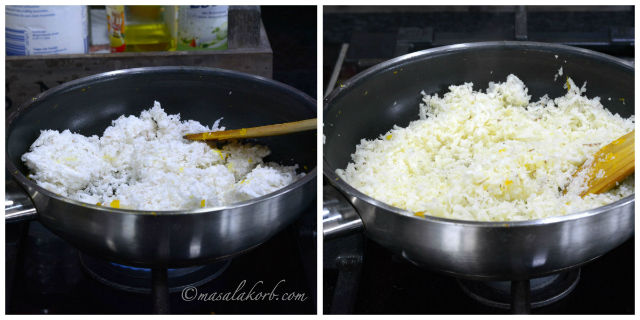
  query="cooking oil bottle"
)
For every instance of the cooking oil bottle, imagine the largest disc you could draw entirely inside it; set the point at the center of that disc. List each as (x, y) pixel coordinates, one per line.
(142, 28)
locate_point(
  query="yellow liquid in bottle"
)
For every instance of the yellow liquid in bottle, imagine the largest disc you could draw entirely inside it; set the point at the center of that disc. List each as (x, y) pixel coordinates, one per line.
(148, 37)
(146, 30)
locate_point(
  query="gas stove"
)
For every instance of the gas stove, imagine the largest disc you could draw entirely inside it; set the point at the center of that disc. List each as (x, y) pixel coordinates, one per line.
(363, 277)
(46, 275)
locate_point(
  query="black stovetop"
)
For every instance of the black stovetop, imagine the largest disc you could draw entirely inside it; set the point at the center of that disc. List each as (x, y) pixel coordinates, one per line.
(390, 284)
(44, 275)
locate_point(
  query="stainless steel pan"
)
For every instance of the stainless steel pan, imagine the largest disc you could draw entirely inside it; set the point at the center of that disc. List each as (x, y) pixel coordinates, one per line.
(372, 102)
(164, 238)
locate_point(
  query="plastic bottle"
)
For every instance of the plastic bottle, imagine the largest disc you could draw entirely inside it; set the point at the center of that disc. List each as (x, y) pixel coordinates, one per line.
(202, 27)
(142, 28)
(43, 30)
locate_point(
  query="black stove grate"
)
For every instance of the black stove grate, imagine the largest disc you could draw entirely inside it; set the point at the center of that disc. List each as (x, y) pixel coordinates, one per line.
(45, 275)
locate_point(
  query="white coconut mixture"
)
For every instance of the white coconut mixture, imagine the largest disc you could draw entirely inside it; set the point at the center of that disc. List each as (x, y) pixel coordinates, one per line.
(490, 156)
(144, 163)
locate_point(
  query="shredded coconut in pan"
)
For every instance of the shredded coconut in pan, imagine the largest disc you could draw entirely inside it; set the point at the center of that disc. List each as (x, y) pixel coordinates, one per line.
(490, 156)
(144, 163)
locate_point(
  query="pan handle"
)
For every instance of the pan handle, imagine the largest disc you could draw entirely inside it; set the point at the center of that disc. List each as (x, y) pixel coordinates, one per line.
(339, 217)
(17, 203)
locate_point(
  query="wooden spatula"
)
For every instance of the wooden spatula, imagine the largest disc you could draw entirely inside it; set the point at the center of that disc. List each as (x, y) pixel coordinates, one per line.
(616, 160)
(263, 131)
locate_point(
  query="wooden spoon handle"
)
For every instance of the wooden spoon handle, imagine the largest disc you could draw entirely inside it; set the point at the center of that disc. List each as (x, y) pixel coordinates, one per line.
(263, 131)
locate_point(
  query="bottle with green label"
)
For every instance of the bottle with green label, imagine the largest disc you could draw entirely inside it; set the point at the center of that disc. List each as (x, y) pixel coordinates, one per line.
(202, 27)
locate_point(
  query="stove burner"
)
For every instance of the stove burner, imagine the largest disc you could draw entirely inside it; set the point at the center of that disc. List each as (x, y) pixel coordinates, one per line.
(138, 280)
(543, 291)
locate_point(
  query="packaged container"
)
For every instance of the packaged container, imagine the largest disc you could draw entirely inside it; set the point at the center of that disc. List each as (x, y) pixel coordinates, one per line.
(142, 28)
(36, 30)
(202, 27)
